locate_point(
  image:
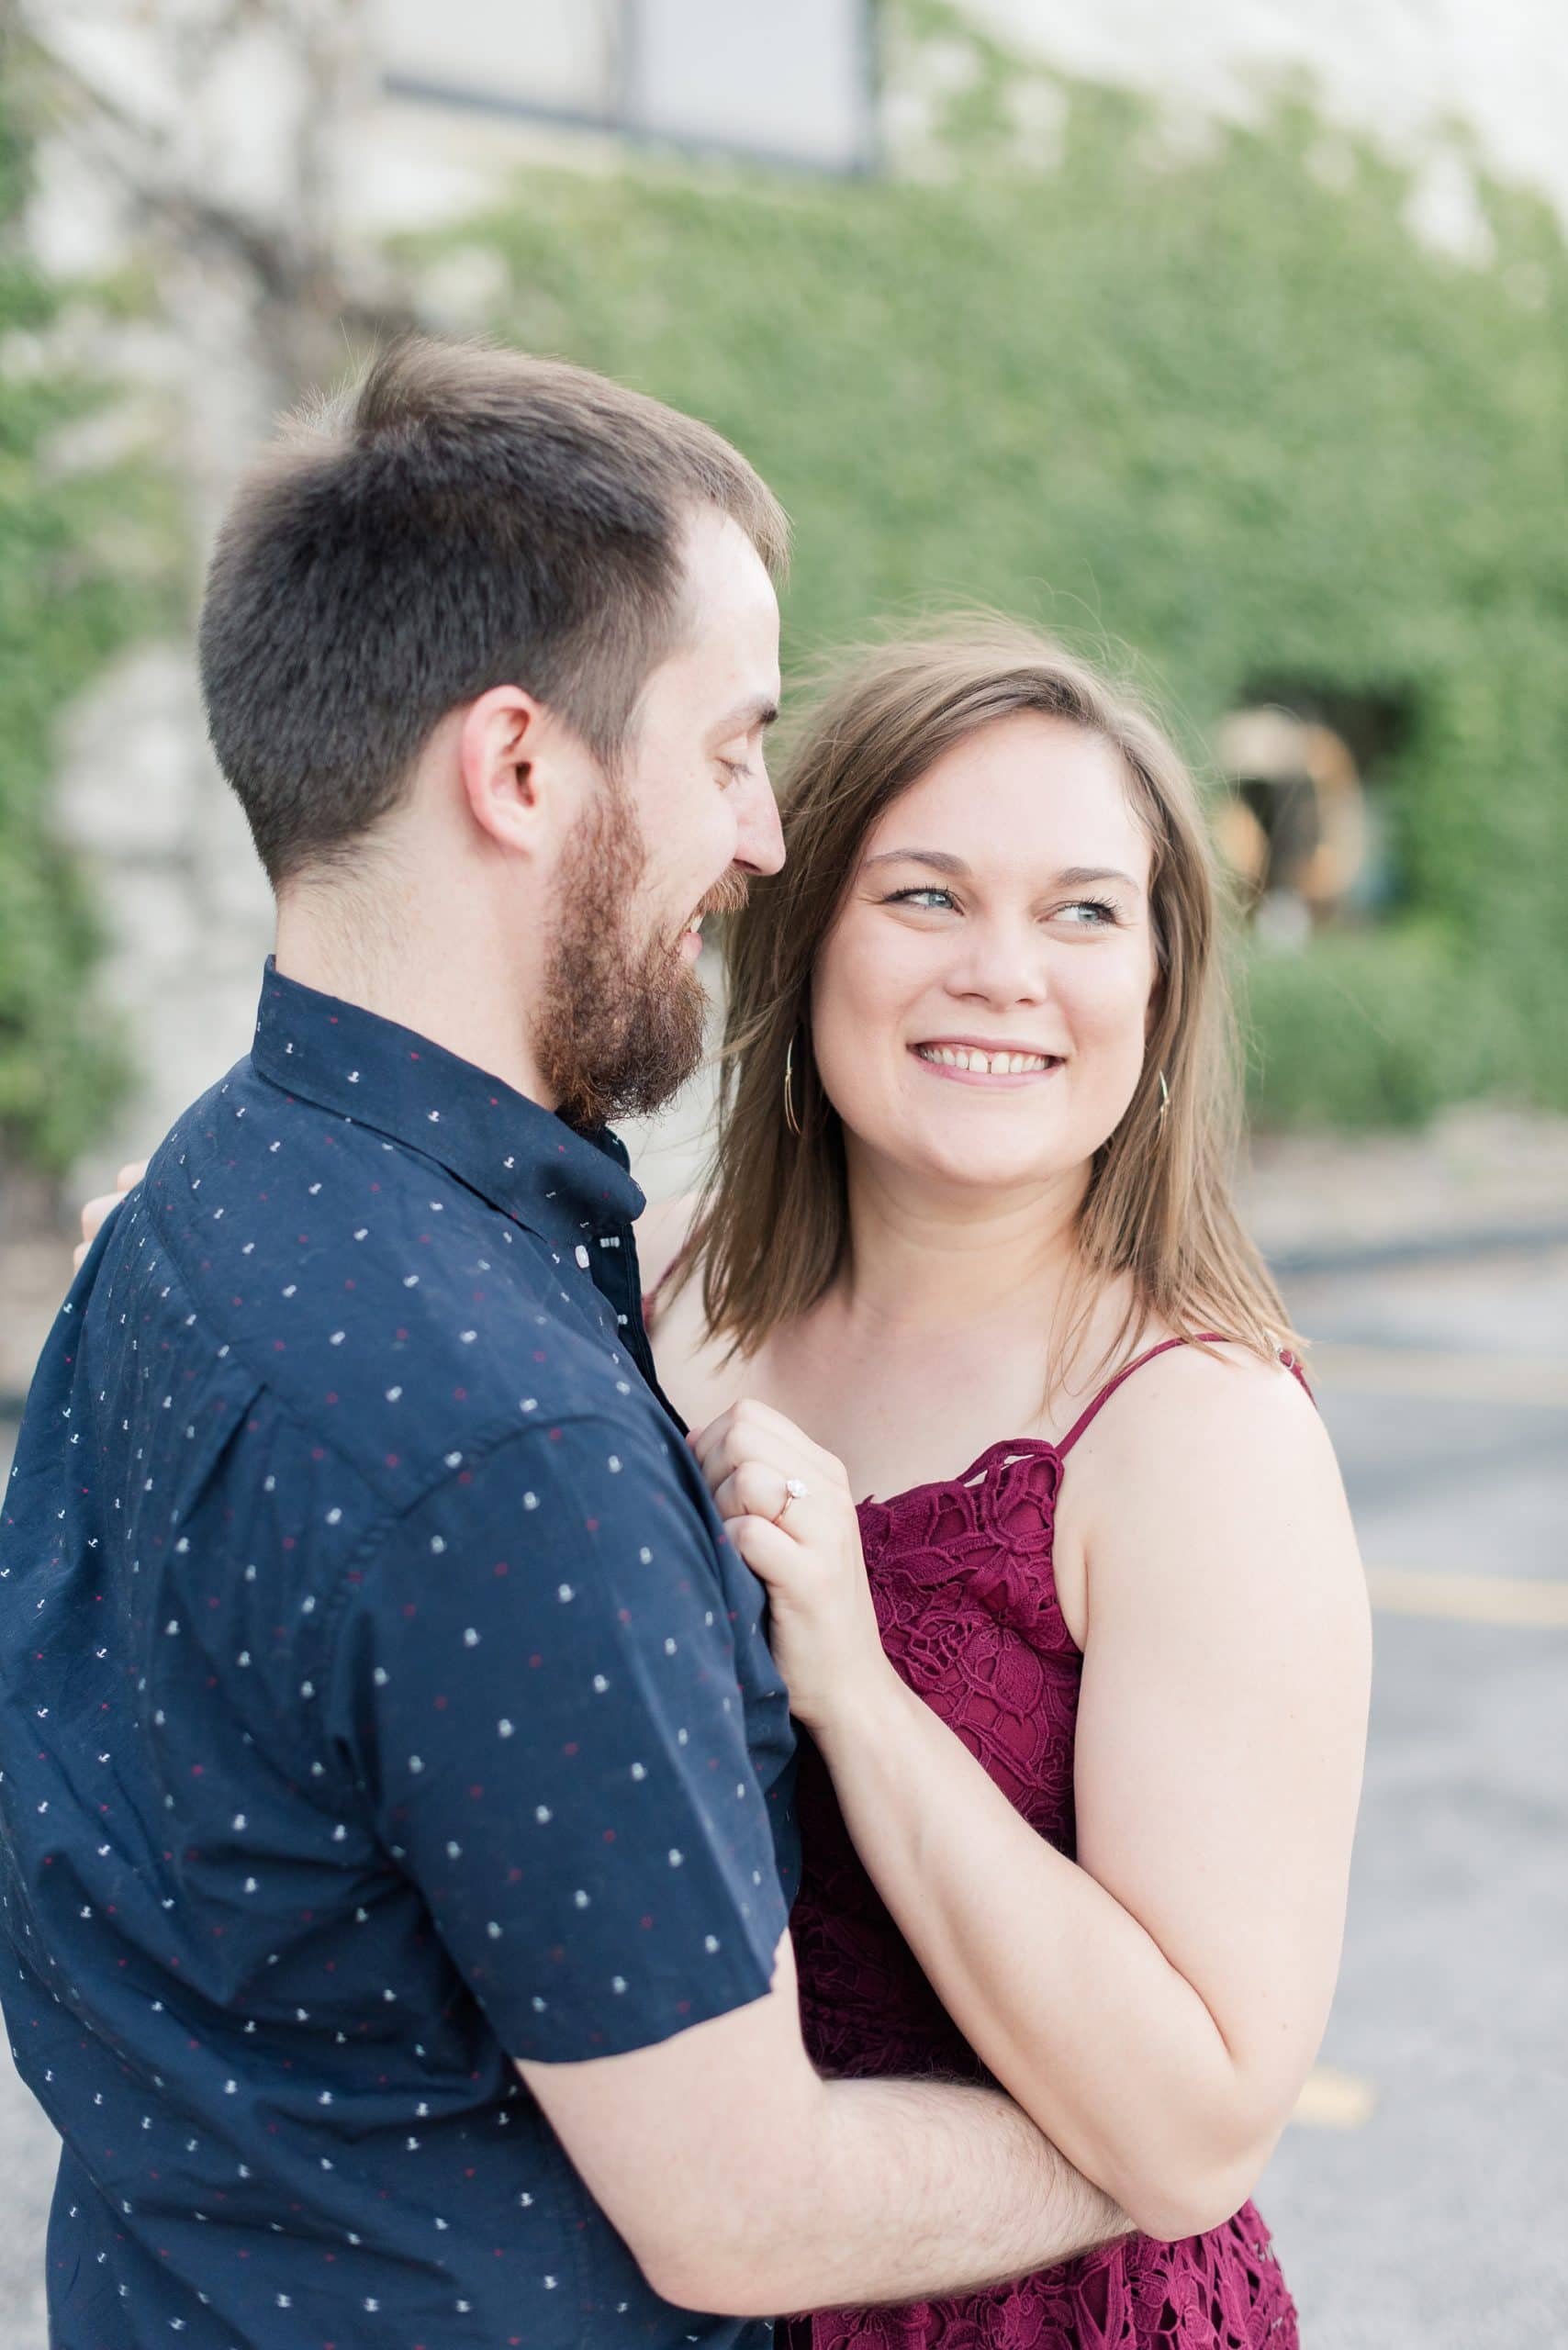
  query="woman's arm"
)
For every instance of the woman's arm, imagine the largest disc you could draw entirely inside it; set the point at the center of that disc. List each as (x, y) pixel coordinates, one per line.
(1154, 2007)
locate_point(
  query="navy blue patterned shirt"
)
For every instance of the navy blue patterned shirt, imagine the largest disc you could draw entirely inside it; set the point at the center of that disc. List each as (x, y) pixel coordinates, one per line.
(379, 1702)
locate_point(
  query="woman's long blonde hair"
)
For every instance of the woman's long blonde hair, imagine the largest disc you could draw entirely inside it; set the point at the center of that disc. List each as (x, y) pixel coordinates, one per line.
(772, 1224)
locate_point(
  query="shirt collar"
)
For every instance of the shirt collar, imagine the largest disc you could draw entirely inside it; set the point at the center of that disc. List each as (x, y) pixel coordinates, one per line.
(524, 1159)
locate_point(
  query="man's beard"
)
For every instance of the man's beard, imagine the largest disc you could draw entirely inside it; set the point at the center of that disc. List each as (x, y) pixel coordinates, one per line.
(621, 1025)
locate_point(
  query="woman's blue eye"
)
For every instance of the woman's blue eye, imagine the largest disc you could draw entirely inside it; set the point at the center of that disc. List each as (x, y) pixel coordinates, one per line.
(1102, 913)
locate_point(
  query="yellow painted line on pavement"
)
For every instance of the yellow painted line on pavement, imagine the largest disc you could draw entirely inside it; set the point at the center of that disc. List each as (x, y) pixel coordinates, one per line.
(1334, 2100)
(1539, 1603)
(1453, 1376)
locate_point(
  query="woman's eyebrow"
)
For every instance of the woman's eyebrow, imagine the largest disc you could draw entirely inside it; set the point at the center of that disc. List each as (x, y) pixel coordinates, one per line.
(1079, 877)
(939, 859)
(1072, 877)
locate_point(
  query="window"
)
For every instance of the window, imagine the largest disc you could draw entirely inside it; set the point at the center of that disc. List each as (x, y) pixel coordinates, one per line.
(788, 80)
(556, 58)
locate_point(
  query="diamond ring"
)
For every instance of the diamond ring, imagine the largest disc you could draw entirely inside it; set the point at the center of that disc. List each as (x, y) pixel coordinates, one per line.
(794, 1491)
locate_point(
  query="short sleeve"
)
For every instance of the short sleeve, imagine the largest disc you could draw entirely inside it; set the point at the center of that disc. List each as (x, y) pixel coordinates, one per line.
(536, 1680)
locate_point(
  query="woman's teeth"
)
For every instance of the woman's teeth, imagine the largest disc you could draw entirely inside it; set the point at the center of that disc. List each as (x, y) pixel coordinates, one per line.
(985, 1064)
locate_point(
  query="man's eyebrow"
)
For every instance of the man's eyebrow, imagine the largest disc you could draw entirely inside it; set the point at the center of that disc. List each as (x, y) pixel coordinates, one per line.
(1072, 877)
(759, 711)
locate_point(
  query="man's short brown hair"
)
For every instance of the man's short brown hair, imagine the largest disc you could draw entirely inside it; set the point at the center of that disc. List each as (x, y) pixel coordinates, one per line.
(467, 518)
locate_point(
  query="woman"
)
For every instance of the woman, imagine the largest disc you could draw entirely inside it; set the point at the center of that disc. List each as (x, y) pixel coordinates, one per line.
(1085, 1673)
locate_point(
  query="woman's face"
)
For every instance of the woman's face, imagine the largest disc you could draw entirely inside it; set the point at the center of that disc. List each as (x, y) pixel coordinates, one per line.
(981, 1005)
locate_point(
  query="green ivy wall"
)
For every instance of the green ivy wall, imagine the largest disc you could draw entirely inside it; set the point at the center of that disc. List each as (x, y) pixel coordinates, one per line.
(1218, 416)
(1222, 418)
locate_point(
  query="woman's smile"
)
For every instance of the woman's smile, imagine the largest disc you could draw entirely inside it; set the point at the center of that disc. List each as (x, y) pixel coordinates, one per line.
(1003, 1066)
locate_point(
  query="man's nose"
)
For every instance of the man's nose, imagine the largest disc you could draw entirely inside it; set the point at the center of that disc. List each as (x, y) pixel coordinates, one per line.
(759, 844)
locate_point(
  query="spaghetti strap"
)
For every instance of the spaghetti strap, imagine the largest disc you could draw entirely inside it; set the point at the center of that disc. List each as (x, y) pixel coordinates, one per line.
(1103, 1397)
(1199, 1338)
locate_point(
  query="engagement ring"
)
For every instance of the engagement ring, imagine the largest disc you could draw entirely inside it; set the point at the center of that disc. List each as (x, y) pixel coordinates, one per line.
(794, 1491)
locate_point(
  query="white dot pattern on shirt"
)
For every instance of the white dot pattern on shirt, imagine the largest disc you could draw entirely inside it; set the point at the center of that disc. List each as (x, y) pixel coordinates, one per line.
(336, 1517)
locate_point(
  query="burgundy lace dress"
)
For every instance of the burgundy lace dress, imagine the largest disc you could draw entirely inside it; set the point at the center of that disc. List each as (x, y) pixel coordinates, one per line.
(960, 1572)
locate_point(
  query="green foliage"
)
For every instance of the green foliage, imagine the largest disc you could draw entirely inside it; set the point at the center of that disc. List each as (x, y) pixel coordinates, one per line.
(1219, 407)
(67, 601)
(1369, 1030)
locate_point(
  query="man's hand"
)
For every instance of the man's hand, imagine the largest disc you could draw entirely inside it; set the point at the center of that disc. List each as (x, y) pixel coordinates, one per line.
(94, 1213)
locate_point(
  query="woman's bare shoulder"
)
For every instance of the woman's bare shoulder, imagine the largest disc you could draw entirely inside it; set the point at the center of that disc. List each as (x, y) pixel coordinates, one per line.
(1209, 1434)
(1245, 1415)
(1220, 1388)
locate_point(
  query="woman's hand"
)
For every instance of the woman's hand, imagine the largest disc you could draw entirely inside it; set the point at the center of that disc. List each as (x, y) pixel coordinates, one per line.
(787, 1508)
(94, 1213)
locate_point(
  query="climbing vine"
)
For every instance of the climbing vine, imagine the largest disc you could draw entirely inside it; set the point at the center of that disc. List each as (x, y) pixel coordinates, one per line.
(1217, 412)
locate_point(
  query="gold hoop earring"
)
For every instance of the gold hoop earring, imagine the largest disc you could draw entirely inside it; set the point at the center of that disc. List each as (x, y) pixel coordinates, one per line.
(790, 1120)
(1164, 1107)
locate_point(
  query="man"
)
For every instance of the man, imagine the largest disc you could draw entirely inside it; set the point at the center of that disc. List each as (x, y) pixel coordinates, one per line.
(396, 1783)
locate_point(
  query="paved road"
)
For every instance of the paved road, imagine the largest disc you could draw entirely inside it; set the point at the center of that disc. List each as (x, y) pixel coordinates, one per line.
(1418, 2203)
(1435, 2223)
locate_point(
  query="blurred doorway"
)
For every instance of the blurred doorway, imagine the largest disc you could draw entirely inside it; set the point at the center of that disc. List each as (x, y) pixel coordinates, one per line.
(1304, 823)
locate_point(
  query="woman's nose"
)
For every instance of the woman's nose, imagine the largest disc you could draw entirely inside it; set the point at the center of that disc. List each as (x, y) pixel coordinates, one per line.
(1002, 964)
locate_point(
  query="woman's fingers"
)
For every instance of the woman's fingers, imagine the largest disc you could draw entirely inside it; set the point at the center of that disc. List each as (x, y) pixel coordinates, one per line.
(754, 1489)
(754, 1431)
(94, 1210)
(725, 1459)
(722, 1444)
(708, 1443)
(92, 1214)
(766, 1548)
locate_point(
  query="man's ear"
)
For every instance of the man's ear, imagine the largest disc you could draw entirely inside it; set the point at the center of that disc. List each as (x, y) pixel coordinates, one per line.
(499, 740)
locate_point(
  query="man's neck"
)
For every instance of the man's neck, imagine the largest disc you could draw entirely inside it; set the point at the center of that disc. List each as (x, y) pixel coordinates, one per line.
(390, 967)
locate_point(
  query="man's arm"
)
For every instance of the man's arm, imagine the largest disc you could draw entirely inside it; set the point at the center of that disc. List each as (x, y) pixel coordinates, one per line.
(746, 2184)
